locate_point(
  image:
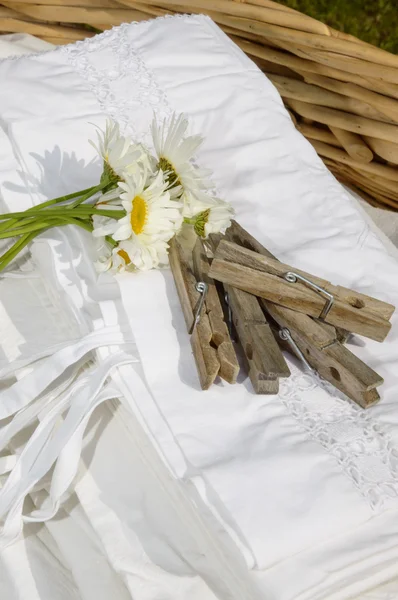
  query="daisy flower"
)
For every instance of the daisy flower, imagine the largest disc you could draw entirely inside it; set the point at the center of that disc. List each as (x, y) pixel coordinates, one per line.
(143, 255)
(115, 260)
(119, 154)
(152, 219)
(174, 153)
(149, 209)
(213, 219)
(128, 255)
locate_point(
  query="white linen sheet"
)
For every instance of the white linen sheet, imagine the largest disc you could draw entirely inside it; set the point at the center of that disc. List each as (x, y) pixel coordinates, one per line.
(288, 497)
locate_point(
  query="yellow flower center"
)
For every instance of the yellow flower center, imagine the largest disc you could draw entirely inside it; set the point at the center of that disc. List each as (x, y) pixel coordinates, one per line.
(200, 223)
(124, 256)
(169, 171)
(109, 175)
(138, 215)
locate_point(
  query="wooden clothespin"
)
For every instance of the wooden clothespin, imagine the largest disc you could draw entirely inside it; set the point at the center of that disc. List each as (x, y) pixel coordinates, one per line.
(318, 344)
(282, 284)
(221, 340)
(212, 349)
(264, 359)
(237, 234)
(318, 347)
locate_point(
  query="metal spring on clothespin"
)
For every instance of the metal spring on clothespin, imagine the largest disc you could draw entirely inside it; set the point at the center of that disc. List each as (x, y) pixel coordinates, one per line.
(294, 277)
(202, 288)
(285, 335)
(229, 317)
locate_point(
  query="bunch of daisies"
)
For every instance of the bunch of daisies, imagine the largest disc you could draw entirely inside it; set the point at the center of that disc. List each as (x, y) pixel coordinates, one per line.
(139, 205)
(158, 193)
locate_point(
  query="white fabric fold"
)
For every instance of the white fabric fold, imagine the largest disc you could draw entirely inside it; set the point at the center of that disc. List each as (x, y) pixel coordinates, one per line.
(55, 439)
(293, 497)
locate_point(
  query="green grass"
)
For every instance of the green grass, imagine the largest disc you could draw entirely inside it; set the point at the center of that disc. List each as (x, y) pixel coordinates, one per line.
(375, 21)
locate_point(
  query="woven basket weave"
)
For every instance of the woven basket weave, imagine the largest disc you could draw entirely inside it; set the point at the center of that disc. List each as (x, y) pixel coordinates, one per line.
(342, 93)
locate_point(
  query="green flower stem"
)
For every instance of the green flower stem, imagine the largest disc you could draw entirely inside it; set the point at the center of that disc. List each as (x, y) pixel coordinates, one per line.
(111, 241)
(88, 226)
(16, 248)
(88, 194)
(25, 239)
(27, 229)
(51, 202)
(42, 226)
(81, 196)
(91, 190)
(8, 223)
(39, 224)
(79, 211)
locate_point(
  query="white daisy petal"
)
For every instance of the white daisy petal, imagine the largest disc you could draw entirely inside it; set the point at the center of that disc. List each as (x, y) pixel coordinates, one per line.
(103, 226)
(122, 233)
(126, 204)
(189, 146)
(174, 153)
(119, 154)
(111, 195)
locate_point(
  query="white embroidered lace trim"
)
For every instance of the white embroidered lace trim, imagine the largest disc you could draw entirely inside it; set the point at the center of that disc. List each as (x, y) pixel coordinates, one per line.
(359, 444)
(127, 68)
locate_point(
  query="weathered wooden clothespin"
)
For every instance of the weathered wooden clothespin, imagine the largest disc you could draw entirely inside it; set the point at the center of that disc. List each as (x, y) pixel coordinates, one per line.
(282, 284)
(221, 340)
(236, 233)
(320, 350)
(264, 359)
(212, 348)
(318, 344)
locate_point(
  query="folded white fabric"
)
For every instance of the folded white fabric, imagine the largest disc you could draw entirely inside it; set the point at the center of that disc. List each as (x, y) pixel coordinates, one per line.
(292, 497)
(19, 44)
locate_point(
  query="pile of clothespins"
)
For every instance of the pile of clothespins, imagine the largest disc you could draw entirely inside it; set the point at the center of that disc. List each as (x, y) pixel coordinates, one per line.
(232, 289)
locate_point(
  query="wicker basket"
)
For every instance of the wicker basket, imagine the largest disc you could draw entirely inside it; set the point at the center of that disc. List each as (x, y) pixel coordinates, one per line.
(342, 93)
